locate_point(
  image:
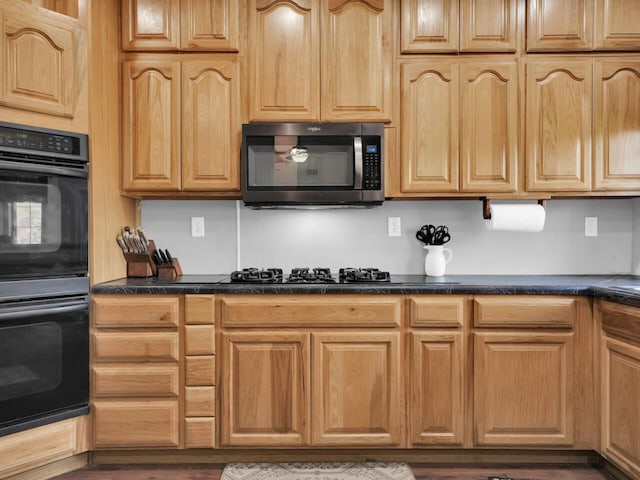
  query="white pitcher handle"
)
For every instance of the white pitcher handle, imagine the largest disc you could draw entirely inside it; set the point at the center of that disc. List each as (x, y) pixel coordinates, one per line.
(448, 258)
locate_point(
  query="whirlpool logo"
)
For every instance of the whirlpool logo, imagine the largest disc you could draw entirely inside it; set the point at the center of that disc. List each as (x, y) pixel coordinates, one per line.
(314, 129)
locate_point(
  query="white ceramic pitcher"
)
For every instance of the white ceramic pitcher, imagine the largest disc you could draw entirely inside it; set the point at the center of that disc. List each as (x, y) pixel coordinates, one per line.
(436, 260)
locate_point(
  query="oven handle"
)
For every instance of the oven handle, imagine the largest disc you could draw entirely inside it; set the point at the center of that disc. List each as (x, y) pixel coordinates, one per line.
(55, 308)
(37, 168)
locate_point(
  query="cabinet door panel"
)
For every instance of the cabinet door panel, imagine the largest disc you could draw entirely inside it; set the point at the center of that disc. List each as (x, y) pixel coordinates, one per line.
(356, 397)
(211, 125)
(209, 25)
(357, 60)
(488, 25)
(559, 25)
(266, 398)
(523, 389)
(151, 125)
(284, 60)
(558, 125)
(150, 24)
(437, 389)
(429, 127)
(617, 125)
(616, 25)
(489, 136)
(429, 26)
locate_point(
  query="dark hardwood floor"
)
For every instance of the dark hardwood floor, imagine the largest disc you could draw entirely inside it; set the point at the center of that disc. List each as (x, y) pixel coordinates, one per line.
(421, 472)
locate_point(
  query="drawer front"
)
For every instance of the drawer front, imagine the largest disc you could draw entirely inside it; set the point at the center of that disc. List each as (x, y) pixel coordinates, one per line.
(311, 311)
(621, 320)
(136, 311)
(135, 380)
(200, 371)
(199, 339)
(199, 309)
(130, 346)
(527, 311)
(152, 423)
(200, 401)
(437, 311)
(200, 432)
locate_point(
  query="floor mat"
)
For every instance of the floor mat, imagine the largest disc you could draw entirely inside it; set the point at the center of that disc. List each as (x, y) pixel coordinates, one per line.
(319, 471)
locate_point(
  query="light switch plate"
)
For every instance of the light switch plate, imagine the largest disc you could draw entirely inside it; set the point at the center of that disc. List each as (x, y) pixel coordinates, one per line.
(590, 226)
(197, 226)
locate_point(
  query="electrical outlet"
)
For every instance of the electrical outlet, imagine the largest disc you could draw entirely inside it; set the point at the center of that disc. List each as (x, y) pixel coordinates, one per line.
(394, 226)
(590, 226)
(197, 226)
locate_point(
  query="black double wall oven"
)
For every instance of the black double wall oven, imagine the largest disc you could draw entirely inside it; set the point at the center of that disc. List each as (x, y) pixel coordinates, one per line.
(44, 283)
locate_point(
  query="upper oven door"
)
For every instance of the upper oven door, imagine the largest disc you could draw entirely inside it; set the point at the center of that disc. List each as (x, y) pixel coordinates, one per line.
(43, 220)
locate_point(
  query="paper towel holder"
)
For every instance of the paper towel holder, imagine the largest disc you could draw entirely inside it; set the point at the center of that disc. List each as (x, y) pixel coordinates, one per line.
(486, 207)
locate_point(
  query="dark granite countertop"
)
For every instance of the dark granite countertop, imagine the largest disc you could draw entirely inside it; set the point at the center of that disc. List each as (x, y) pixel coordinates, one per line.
(617, 288)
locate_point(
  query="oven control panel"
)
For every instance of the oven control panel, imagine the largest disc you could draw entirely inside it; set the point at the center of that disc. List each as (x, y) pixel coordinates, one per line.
(372, 164)
(37, 141)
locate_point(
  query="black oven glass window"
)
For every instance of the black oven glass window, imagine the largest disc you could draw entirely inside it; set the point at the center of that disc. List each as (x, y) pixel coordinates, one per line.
(294, 162)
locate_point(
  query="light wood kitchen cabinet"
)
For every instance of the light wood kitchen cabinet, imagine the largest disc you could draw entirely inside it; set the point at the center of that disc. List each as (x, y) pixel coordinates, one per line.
(620, 377)
(450, 26)
(182, 124)
(51, 83)
(444, 150)
(172, 25)
(558, 124)
(438, 370)
(136, 358)
(533, 379)
(321, 60)
(314, 370)
(579, 25)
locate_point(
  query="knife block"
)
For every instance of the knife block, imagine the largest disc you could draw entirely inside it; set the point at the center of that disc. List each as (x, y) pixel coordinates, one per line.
(141, 264)
(169, 272)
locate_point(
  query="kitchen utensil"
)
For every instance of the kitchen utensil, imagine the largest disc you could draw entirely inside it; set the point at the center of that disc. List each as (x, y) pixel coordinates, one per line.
(432, 235)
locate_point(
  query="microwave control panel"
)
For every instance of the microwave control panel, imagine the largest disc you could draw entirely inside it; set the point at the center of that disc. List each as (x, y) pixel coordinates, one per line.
(372, 164)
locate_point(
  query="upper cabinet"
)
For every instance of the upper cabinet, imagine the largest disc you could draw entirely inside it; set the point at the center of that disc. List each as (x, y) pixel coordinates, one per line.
(581, 25)
(51, 84)
(431, 26)
(172, 25)
(321, 60)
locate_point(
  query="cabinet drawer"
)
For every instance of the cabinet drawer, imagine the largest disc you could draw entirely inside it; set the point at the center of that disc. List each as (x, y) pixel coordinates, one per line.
(437, 311)
(199, 309)
(200, 402)
(132, 380)
(310, 311)
(200, 370)
(528, 311)
(152, 346)
(621, 320)
(200, 432)
(152, 423)
(136, 311)
(199, 340)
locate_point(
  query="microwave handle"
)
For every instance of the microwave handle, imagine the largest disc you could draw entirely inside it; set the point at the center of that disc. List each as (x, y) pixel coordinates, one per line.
(357, 147)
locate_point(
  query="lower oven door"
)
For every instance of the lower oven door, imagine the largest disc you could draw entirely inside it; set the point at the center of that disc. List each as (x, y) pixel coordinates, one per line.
(44, 361)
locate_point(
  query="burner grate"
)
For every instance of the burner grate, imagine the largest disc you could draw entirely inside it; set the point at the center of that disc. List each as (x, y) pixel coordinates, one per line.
(351, 275)
(305, 275)
(255, 275)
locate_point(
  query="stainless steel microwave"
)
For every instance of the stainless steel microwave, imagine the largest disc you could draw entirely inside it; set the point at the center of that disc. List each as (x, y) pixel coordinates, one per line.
(312, 164)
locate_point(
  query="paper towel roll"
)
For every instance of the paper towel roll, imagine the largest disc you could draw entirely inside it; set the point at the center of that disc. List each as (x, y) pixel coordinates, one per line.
(516, 218)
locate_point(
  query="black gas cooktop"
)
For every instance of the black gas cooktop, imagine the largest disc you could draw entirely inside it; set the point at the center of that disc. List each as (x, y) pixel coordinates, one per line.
(309, 275)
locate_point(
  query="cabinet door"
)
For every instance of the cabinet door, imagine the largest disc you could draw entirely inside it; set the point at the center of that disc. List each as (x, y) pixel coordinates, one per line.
(488, 25)
(616, 25)
(357, 60)
(617, 125)
(150, 24)
(209, 25)
(437, 389)
(489, 127)
(356, 397)
(151, 125)
(38, 64)
(559, 25)
(284, 59)
(558, 125)
(429, 26)
(429, 111)
(523, 389)
(211, 125)
(265, 401)
(621, 404)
